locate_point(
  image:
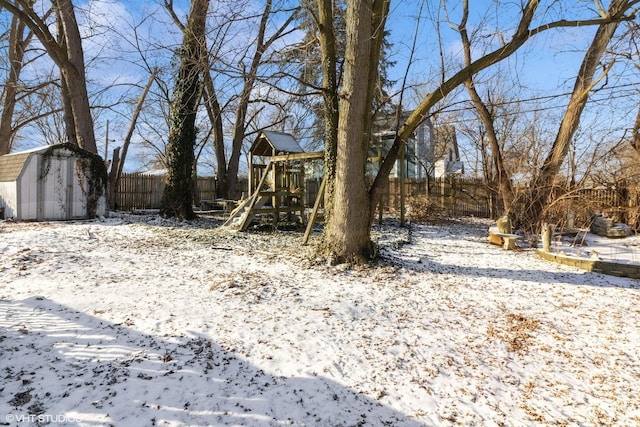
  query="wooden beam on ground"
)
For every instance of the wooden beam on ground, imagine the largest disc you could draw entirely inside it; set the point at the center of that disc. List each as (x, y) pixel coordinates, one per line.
(247, 219)
(314, 212)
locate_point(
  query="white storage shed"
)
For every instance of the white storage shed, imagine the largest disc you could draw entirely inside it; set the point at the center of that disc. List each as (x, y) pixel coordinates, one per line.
(56, 182)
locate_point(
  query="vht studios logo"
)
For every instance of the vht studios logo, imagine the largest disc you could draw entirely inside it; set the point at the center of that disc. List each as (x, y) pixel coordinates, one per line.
(40, 418)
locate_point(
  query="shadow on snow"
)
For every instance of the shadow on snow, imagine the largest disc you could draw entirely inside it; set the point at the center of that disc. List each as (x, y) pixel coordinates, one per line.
(453, 259)
(58, 361)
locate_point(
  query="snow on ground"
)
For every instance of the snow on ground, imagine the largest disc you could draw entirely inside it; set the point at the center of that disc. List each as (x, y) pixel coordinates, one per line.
(588, 245)
(138, 321)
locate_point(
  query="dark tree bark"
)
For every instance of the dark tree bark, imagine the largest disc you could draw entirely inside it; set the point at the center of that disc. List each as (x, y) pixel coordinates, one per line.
(178, 194)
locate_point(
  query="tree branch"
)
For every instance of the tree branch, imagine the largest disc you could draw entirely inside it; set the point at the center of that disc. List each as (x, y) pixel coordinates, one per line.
(522, 34)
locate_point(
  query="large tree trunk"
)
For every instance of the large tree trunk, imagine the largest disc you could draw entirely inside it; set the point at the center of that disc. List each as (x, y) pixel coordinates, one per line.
(347, 229)
(70, 128)
(541, 189)
(178, 194)
(73, 76)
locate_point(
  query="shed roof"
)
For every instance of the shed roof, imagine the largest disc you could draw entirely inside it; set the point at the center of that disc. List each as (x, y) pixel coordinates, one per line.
(11, 165)
(269, 140)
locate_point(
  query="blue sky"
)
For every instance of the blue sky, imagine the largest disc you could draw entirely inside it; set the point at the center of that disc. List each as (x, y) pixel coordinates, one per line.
(546, 62)
(546, 66)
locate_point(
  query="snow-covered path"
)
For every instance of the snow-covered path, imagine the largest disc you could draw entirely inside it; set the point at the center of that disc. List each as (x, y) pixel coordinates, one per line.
(137, 321)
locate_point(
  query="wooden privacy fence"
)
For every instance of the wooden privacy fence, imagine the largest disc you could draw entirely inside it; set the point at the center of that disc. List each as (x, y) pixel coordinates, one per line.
(456, 196)
(144, 191)
(450, 196)
(453, 196)
(459, 197)
(619, 202)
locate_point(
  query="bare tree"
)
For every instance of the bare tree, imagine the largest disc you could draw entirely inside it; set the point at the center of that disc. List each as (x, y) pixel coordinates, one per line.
(535, 200)
(66, 52)
(502, 177)
(17, 44)
(178, 194)
(250, 76)
(214, 112)
(230, 80)
(119, 158)
(347, 232)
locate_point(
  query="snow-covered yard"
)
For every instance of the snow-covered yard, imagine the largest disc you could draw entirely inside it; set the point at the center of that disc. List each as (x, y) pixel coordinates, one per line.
(137, 321)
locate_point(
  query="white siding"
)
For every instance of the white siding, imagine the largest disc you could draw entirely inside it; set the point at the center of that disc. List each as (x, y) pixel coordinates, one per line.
(27, 185)
(60, 195)
(79, 190)
(9, 198)
(55, 189)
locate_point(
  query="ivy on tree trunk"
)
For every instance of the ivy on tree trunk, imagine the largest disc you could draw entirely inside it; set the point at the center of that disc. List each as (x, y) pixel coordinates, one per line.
(179, 189)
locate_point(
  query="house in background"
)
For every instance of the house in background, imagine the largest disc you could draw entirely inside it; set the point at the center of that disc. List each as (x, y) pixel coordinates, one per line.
(446, 158)
(57, 182)
(430, 152)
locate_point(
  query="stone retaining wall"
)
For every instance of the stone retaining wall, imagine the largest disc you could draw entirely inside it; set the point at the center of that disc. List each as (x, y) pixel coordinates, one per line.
(598, 266)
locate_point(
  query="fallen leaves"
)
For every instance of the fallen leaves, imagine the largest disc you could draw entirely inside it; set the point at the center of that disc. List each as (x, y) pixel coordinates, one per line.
(518, 331)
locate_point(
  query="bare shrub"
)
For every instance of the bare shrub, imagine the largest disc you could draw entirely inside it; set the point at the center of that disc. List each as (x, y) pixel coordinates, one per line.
(424, 209)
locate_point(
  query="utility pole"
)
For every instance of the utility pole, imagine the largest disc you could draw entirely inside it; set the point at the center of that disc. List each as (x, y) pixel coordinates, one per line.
(106, 144)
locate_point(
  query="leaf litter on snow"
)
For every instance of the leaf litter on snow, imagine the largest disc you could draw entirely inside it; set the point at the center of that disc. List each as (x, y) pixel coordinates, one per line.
(139, 319)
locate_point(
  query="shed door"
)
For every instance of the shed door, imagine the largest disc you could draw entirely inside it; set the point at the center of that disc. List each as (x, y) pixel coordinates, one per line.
(62, 194)
(77, 188)
(55, 189)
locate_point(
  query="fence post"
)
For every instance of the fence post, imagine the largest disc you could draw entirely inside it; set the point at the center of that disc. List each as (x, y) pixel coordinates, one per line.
(381, 202)
(403, 190)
